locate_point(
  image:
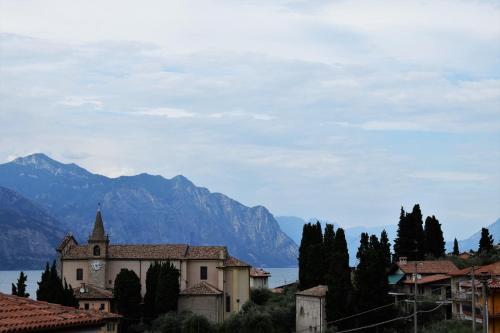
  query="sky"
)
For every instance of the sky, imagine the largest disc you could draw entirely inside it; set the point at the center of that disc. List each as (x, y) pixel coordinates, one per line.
(340, 110)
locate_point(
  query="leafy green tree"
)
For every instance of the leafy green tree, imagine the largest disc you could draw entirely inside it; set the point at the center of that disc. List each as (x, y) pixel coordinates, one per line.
(19, 289)
(486, 241)
(434, 240)
(339, 294)
(456, 251)
(260, 296)
(197, 324)
(170, 322)
(151, 288)
(127, 293)
(168, 288)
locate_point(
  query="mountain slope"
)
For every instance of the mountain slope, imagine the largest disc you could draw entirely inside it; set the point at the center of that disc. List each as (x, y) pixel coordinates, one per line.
(149, 209)
(472, 243)
(28, 235)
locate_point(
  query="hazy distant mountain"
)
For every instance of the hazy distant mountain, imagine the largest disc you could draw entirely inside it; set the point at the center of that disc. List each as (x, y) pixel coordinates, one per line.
(472, 243)
(28, 234)
(292, 226)
(149, 209)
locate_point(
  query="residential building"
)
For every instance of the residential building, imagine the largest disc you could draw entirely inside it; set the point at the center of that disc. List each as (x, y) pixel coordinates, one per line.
(463, 288)
(20, 314)
(259, 278)
(94, 298)
(97, 263)
(310, 307)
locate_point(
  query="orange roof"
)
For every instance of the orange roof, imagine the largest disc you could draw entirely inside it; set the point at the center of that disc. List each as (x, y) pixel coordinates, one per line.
(19, 314)
(89, 291)
(318, 291)
(491, 269)
(428, 267)
(428, 279)
(258, 272)
(235, 262)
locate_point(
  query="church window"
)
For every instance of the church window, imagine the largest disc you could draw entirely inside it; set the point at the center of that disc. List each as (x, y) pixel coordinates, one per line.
(97, 250)
(203, 272)
(86, 306)
(79, 274)
(101, 307)
(228, 303)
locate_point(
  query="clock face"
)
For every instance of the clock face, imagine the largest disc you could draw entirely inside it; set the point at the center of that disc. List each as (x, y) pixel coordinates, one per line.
(96, 265)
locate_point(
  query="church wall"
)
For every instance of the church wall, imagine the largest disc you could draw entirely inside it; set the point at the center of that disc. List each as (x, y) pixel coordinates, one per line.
(193, 272)
(68, 271)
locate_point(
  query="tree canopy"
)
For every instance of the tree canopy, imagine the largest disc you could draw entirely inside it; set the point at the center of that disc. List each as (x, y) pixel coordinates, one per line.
(51, 288)
(486, 242)
(434, 240)
(19, 289)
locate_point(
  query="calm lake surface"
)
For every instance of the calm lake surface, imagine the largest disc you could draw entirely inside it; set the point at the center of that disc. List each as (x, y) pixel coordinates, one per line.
(279, 276)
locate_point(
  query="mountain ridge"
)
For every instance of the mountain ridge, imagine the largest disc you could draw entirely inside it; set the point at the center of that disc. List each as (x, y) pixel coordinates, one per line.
(148, 208)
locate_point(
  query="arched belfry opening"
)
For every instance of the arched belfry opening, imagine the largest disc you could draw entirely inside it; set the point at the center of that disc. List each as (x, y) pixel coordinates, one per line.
(97, 250)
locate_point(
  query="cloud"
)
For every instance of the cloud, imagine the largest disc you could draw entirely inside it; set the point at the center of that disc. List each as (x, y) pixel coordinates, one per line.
(255, 116)
(166, 113)
(451, 176)
(77, 101)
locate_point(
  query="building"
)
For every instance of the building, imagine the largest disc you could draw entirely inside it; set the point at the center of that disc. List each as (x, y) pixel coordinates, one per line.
(19, 314)
(259, 278)
(95, 265)
(94, 298)
(433, 279)
(462, 290)
(310, 308)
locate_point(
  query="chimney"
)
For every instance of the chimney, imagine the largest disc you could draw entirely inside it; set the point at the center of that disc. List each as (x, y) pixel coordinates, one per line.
(403, 260)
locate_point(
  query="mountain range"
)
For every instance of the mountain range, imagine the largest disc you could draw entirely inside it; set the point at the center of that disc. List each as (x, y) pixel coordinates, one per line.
(136, 209)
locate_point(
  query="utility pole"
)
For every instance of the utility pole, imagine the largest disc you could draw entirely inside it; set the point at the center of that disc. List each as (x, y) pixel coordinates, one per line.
(473, 300)
(415, 300)
(484, 281)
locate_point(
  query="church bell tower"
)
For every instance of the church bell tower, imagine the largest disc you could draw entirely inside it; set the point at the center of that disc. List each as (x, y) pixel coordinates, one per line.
(97, 249)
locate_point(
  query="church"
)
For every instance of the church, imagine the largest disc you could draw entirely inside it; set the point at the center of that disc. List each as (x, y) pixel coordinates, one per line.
(212, 282)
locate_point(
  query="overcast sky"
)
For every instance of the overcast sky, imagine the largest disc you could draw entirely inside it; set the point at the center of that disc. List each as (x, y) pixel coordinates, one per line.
(343, 110)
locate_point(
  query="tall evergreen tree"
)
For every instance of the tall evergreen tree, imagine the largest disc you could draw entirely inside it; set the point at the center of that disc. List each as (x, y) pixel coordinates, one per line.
(311, 261)
(410, 239)
(152, 276)
(19, 289)
(127, 293)
(51, 288)
(434, 240)
(329, 250)
(456, 251)
(339, 295)
(167, 290)
(386, 248)
(486, 241)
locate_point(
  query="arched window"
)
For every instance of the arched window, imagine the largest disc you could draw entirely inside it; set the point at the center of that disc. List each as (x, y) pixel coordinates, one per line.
(97, 250)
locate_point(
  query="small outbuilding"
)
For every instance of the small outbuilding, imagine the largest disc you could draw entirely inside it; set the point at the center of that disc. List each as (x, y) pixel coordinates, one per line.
(259, 278)
(310, 306)
(203, 299)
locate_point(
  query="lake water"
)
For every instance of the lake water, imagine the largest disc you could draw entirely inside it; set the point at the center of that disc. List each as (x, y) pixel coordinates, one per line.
(279, 276)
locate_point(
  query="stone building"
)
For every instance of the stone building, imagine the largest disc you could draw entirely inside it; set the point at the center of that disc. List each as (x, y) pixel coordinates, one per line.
(259, 278)
(95, 265)
(310, 307)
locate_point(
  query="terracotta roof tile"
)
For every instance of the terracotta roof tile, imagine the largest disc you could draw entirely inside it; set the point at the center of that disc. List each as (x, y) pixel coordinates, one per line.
(92, 292)
(235, 262)
(491, 269)
(19, 314)
(206, 252)
(258, 272)
(428, 279)
(428, 267)
(202, 288)
(318, 291)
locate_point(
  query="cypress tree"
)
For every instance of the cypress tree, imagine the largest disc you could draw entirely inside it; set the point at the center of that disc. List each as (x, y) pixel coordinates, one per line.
(402, 243)
(386, 248)
(329, 249)
(456, 251)
(167, 289)
(486, 241)
(410, 239)
(303, 255)
(69, 298)
(151, 288)
(311, 260)
(51, 288)
(434, 240)
(43, 292)
(19, 289)
(127, 293)
(418, 232)
(339, 294)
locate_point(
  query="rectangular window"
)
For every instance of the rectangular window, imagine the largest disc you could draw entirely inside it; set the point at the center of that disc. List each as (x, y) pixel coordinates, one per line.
(228, 303)
(79, 274)
(86, 306)
(203, 272)
(101, 307)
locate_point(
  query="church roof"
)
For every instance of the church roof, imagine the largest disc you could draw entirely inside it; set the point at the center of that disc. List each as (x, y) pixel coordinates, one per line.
(201, 288)
(157, 252)
(98, 231)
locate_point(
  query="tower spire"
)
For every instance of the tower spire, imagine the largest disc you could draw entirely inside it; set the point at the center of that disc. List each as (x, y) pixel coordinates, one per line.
(98, 231)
